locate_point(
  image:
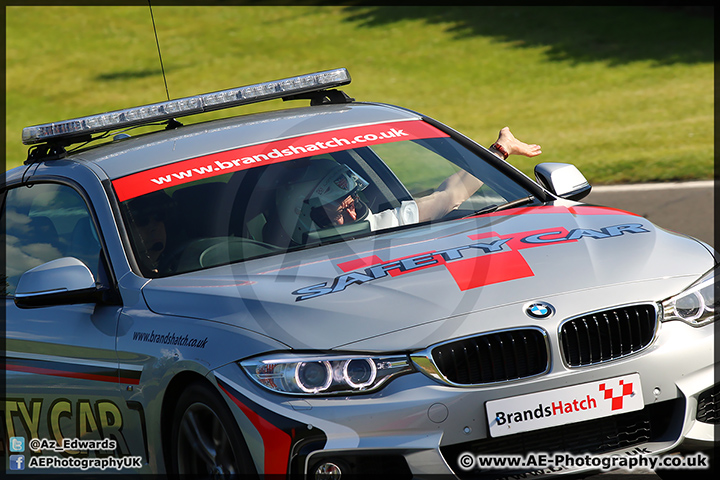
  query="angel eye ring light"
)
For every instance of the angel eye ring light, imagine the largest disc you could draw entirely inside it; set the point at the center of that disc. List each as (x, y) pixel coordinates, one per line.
(105, 122)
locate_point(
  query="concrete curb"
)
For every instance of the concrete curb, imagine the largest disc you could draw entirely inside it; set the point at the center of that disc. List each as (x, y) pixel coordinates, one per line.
(644, 187)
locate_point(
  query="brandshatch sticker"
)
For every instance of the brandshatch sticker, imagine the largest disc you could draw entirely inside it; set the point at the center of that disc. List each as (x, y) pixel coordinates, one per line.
(283, 150)
(572, 404)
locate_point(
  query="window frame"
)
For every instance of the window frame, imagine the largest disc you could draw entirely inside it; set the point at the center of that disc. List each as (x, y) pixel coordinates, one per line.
(105, 275)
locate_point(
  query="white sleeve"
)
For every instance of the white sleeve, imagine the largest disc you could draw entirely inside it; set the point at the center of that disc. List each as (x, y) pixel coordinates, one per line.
(406, 214)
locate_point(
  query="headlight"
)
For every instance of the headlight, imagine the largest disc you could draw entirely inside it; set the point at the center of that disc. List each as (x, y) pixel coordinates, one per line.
(696, 305)
(324, 374)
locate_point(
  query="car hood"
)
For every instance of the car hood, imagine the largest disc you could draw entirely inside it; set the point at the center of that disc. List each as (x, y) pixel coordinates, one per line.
(458, 277)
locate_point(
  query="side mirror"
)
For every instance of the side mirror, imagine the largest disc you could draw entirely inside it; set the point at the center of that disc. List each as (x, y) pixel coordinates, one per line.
(59, 282)
(563, 180)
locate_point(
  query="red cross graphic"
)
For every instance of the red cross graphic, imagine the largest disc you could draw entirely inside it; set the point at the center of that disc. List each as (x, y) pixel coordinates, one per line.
(478, 271)
(617, 402)
(497, 267)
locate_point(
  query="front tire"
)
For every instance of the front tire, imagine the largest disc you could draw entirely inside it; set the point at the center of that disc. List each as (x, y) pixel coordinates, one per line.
(206, 440)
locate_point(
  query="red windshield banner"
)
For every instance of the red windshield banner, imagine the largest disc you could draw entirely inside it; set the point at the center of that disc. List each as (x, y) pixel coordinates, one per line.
(243, 158)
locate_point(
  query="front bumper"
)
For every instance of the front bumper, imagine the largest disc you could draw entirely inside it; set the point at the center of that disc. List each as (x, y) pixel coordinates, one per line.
(416, 427)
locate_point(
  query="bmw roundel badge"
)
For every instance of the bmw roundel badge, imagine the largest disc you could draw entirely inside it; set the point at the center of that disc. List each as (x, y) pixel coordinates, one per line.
(539, 310)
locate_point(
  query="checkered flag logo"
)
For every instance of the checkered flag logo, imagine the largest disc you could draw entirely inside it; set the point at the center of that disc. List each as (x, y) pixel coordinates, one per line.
(626, 389)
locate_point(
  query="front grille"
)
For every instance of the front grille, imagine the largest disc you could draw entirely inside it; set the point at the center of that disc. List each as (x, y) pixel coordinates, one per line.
(655, 422)
(493, 357)
(607, 335)
(709, 406)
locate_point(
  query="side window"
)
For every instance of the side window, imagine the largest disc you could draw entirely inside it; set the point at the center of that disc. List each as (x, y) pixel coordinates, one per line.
(45, 222)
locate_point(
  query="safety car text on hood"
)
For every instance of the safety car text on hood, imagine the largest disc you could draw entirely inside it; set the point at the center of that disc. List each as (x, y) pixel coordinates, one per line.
(491, 259)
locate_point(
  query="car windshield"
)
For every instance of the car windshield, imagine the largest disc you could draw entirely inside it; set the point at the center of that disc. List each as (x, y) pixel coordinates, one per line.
(305, 191)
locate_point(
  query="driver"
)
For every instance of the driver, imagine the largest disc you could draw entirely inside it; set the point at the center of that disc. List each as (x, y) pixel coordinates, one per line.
(333, 198)
(322, 194)
(149, 233)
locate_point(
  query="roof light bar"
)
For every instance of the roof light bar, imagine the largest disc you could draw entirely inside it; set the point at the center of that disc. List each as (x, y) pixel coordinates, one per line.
(181, 107)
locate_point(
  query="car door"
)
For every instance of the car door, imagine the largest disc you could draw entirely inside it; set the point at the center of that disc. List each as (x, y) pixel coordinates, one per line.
(62, 376)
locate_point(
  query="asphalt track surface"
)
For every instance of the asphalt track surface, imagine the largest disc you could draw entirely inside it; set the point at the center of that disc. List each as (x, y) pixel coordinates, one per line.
(681, 207)
(686, 208)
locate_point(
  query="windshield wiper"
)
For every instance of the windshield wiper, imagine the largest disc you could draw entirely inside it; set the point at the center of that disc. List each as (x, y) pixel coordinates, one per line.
(503, 206)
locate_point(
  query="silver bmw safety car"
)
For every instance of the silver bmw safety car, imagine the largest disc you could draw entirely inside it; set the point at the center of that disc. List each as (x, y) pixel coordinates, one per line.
(271, 294)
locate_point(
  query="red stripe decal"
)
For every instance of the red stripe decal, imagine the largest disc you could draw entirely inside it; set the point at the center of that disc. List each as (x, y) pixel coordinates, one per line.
(276, 442)
(278, 151)
(363, 262)
(578, 210)
(66, 374)
(130, 381)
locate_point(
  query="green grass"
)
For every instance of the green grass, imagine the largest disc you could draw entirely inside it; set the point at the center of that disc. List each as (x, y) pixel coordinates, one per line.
(625, 93)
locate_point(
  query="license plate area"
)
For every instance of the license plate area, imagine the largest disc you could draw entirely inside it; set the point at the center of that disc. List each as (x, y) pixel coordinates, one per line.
(576, 403)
